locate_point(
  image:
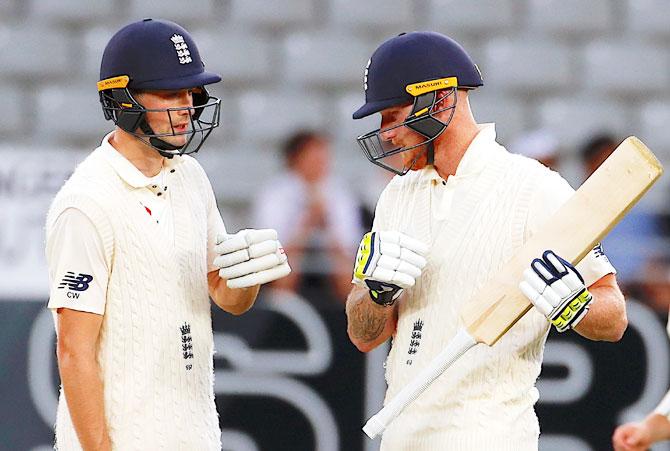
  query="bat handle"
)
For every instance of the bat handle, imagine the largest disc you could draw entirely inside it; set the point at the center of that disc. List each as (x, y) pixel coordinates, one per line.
(458, 346)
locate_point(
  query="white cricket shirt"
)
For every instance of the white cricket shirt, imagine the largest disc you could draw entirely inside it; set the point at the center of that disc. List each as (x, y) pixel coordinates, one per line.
(155, 344)
(77, 249)
(473, 223)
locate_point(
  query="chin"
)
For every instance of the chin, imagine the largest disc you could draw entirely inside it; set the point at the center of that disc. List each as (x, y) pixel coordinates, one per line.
(177, 141)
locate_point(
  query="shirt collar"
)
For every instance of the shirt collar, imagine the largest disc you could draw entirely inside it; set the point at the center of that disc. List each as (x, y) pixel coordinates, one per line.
(475, 157)
(126, 170)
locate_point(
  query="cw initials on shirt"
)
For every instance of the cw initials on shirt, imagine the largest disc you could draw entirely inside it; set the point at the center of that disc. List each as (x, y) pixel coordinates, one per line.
(81, 282)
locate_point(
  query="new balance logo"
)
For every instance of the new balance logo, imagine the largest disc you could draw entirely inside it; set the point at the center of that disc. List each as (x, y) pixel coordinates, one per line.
(80, 282)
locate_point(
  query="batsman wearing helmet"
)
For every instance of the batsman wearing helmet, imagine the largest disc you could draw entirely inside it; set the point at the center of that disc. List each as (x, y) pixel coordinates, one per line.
(458, 208)
(135, 247)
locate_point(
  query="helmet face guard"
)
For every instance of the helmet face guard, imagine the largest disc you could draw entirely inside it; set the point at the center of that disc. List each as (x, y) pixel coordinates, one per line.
(422, 119)
(120, 106)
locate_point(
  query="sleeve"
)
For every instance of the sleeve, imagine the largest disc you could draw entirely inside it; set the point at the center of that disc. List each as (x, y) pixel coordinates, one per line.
(552, 193)
(78, 272)
(663, 407)
(215, 226)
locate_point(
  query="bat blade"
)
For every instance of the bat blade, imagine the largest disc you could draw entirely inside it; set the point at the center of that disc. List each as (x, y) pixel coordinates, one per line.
(578, 225)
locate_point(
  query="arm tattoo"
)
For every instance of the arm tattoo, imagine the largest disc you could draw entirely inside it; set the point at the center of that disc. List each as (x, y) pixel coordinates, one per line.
(366, 322)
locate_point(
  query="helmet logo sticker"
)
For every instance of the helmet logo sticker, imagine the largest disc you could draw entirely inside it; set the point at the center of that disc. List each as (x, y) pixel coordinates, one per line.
(365, 75)
(180, 46)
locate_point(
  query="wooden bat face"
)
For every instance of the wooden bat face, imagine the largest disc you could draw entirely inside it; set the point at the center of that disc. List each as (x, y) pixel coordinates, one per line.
(607, 196)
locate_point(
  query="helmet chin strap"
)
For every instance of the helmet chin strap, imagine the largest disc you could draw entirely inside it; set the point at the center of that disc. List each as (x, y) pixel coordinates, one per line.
(427, 125)
(158, 143)
(430, 153)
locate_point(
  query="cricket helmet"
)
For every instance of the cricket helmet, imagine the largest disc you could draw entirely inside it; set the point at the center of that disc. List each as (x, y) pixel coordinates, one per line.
(153, 55)
(412, 68)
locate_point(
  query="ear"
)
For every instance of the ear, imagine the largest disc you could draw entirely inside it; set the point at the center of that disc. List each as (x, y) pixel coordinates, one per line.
(446, 98)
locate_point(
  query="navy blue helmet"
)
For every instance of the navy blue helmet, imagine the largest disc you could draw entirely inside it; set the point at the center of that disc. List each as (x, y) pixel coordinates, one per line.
(152, 55)
(413, 68)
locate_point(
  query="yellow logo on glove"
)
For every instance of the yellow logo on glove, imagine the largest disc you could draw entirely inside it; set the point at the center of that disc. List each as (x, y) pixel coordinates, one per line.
(363, 256)
(573, 309)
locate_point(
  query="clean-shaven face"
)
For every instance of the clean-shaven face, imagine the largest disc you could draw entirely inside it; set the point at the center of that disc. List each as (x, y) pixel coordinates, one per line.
(163, 122)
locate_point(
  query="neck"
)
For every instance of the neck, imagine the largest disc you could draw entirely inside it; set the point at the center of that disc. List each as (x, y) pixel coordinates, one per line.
(450, 148)
(452, 144)
(144, 157)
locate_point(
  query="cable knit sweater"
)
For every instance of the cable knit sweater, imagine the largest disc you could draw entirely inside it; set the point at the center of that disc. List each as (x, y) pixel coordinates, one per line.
(155, 346)
(485, 401)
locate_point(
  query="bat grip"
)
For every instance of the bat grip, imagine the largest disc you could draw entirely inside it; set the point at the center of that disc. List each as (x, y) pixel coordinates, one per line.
(458, 346)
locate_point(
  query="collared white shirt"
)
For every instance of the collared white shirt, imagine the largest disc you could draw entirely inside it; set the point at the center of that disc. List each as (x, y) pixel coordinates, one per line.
(77, 250)
(152, 192)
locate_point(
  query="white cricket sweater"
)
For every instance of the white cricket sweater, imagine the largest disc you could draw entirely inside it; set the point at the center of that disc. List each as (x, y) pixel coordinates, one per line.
(155, 347)
(485, 400)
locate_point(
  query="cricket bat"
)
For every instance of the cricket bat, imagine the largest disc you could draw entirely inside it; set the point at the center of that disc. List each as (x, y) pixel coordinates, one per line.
(606, 197)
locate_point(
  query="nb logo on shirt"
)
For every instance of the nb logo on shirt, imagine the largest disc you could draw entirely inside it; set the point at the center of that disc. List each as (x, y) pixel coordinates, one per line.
(80, 282)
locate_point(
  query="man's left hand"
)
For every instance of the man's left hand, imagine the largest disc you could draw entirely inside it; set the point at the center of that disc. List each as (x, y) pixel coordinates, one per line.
(556, 289)
(250, 257)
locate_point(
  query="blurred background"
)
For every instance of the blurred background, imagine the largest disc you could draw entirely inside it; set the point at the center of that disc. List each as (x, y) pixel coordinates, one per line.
(565, 82)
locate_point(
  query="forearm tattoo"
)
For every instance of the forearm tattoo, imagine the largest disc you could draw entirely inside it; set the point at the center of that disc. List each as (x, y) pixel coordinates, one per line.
(366, 320)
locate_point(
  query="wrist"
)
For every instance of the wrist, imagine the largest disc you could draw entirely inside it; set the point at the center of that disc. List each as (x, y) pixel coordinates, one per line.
(657, 427)
(380, 300)
(382, 293)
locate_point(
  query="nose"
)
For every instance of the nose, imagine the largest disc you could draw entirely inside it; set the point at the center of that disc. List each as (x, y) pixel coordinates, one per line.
(388, 134)
(186, 101)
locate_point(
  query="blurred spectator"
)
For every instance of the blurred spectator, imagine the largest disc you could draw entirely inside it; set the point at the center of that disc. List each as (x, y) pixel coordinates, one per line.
(315, 214)
(654, 284)
(541, 145)
(636, 238)
(596, 150)
(374, 185)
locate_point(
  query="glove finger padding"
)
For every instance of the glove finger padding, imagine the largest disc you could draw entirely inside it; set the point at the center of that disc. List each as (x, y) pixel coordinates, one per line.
(404, 241)
(243, 239)
(572, 282)
(261, 277)
(250, 266)
(387, 262)
(557, 290)
(394, 277)
(263, 248)
(395, 251)
(233, 258)
(536, 298)
(552, 296)
(398, 265)
(560, 289)
(534, 280)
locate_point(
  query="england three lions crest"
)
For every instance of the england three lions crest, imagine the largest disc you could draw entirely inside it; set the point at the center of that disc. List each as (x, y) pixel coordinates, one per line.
(183, 53)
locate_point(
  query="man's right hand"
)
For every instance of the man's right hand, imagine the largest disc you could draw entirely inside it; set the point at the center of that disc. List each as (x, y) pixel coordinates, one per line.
(632, 437)
(387, 263)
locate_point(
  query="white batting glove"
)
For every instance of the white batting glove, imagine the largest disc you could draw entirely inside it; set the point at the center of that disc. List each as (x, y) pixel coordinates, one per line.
(557, 290)
(388, 262)
(250, 257)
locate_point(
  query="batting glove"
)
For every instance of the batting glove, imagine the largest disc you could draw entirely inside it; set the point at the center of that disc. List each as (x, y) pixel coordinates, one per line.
(387, 263)
(557, 290)
(250, 257)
